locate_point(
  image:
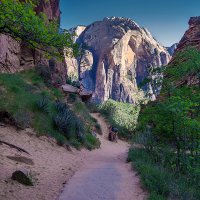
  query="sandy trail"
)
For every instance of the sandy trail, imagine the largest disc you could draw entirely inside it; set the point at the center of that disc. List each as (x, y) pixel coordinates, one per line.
(105, 175)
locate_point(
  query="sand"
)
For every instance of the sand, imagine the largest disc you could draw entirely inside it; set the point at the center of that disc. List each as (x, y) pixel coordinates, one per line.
(50, 165)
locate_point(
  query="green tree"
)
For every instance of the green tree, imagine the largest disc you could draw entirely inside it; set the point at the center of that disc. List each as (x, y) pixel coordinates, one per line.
(19, 20)
(173, 121)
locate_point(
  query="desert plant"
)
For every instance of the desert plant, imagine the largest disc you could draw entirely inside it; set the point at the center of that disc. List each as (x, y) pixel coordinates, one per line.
(43, 104)
(67, 122)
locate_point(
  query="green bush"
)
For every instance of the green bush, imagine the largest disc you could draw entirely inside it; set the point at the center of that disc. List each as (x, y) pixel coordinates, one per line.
(169, 128)
(154, 196)
(43, 104)
(19, 20)
(75, 143)
(91, 142)
(161, 182)
(92, 107)
(67, 122)
(121, 115)
(29, 101)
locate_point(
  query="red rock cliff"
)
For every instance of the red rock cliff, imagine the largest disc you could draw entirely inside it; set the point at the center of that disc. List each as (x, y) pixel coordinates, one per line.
(15, 56)
(191, 36)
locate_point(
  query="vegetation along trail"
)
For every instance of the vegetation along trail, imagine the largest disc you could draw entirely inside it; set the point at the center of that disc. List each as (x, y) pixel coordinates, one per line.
(105, 174)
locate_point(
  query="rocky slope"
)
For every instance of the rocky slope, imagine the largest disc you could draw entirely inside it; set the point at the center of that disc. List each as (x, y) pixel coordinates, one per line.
(191, 36)
(16, 56)
(117, 56)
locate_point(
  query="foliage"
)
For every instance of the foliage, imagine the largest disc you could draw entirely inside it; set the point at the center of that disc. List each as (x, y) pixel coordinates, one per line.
(43, 104)
(72, 97)
(68, 123)
(19, 20)
(45, 72)
(23, 97)
(169, 128)
(73, 80)
(31, 103)
(161, 182)
(121, 115)
(22, 118)
(153, 82)
(93, 107)
(91, 142)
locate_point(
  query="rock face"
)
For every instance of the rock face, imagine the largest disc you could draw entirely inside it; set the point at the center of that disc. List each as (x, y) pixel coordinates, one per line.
(16, 56)
(50, 8)
(117, 58)
(172, 49)
(191, 36)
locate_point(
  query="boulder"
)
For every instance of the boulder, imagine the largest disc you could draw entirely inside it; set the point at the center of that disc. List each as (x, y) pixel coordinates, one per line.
(70, 89)
(84, 94)
(22, 176)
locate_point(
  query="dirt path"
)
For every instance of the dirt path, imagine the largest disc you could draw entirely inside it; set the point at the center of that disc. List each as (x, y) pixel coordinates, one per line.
(105, 175)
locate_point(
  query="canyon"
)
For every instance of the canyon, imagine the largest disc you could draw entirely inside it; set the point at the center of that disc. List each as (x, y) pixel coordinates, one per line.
(117, 55)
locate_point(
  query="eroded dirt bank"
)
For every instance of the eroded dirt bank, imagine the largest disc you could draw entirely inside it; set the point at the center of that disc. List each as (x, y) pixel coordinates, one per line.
(50, 166)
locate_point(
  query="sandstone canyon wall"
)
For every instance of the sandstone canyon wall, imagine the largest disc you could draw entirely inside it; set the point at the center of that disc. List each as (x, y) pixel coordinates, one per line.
(191, 37)
(117, 57)
(16, 56)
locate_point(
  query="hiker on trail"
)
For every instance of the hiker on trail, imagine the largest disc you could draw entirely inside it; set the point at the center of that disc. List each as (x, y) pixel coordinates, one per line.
(113, 134)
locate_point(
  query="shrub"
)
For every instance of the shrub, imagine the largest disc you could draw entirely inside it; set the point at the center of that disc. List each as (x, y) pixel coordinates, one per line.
(67, 122)
(121, 115)
(63, 122)
(43, 104)
(93, 107)
(36, 30)
(61, 140)
(91, 142)
(155, 196)
(75, 143)
(22, 119)
(161, 182)
(45, 73)
(37, 107)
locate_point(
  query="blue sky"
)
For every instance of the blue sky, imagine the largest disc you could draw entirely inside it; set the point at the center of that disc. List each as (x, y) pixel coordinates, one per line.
(167, 20)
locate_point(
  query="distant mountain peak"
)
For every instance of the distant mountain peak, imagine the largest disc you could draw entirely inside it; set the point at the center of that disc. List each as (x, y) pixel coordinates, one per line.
(172, 49)
(122, 21)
